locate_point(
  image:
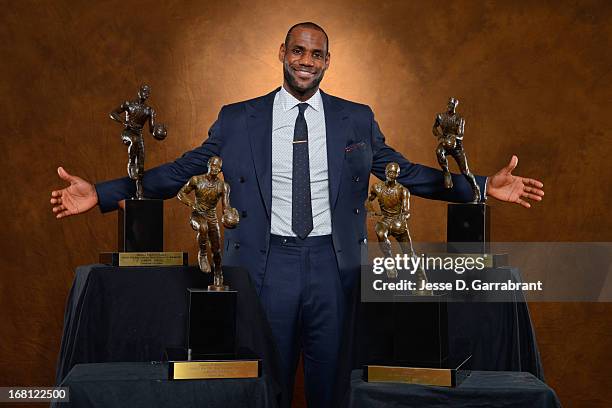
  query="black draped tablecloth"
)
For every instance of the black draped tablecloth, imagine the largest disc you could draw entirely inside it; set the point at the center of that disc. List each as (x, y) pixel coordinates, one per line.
(133, 314)
(481, 389)
(145, 385)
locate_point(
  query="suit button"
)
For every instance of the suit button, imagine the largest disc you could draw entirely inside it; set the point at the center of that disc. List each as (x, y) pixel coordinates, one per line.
(236, 245)
(356, 211)
(241, 179)
(244, 214)
(356, 179)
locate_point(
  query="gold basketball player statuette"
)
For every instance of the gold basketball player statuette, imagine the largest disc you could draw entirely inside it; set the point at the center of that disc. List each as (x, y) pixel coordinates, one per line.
(394, 202)
(209, 188)
(137, 115)
(449, 128)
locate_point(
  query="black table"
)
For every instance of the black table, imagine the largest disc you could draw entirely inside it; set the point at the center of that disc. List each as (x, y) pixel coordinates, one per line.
(133, 314)
(481, 389)
(135, 385)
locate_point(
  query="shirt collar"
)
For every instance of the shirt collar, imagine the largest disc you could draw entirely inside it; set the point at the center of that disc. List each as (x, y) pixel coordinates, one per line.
(289, 101)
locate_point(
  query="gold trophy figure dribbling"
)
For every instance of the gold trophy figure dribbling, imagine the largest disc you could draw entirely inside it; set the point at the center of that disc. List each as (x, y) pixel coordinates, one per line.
(209, 188)
(394, 202)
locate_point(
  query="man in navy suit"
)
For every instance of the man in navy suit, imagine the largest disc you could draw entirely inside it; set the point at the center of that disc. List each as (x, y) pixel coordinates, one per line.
(298, 161)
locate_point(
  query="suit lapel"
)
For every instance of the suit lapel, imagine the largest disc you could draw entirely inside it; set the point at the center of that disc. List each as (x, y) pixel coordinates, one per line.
(259, 125)
(336, 132)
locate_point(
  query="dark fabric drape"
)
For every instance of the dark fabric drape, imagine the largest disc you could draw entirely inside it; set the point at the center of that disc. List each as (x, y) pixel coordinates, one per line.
(133, 314)
(145, 385)
(480, 389)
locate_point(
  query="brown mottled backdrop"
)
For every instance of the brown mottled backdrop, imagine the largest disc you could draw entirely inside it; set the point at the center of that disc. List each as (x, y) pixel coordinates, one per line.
(533, 79)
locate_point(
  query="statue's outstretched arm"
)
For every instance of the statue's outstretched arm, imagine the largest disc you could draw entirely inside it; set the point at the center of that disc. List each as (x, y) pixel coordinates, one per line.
(183, 194)
(405, 202)
(230, 218)
(152, 121)
(116, 114)
(461, 129)
(369, 203)
(225, 203)
(436, 132)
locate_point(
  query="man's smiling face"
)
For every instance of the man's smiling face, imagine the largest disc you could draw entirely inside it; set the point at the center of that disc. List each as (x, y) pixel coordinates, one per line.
(305, 59)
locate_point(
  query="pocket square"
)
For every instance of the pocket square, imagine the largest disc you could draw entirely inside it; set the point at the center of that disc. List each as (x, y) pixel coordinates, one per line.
(354, 146)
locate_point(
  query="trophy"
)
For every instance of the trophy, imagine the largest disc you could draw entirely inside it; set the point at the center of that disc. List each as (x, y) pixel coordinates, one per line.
(448, 128)
(424, 358)
(441, 353)
(137, 115)
(209, 189)
(211, 350)
(394, 202)
(141, 220)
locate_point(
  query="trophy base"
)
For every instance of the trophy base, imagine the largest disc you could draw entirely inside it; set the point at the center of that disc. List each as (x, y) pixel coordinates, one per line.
(468, 228)
(212, 322)
(443, 377)
(189, 364)
(141, 226)
(144, 258)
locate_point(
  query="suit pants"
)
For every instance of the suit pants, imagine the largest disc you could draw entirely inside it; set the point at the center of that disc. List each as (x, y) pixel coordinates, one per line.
(305, 305)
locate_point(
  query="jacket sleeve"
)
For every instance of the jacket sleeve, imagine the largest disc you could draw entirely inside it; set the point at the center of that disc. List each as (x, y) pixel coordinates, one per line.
(420, 180)
(166, 180)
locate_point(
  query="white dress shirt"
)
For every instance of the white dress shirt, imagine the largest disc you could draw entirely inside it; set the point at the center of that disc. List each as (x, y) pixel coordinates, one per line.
(284, 114)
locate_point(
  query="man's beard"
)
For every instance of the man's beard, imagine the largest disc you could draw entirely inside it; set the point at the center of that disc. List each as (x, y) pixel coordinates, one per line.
(293, 83)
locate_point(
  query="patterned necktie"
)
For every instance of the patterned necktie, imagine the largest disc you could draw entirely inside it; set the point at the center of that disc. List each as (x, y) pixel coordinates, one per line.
(301, 206)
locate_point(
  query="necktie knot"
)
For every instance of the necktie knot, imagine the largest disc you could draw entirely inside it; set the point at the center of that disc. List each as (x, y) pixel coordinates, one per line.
(302, 107)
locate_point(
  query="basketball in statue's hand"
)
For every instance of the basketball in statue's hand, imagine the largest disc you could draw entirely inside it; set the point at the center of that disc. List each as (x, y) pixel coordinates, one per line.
(160, 132)
(230, 218)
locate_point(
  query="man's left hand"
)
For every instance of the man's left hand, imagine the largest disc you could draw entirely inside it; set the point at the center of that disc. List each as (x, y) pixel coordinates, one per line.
(505, 186)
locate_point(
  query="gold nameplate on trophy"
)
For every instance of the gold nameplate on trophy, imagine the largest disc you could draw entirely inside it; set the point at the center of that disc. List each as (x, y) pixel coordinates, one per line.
(144, 258)
(202, 370)
(409, 375)
(442, 377)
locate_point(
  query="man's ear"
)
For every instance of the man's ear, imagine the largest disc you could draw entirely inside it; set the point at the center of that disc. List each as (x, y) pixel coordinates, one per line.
(281, 53)
(327, 60)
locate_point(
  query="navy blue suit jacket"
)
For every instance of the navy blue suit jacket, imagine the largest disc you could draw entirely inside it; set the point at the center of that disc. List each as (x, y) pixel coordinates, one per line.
(242, 137)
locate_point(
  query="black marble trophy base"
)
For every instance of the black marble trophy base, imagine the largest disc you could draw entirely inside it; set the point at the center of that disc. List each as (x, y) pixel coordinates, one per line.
(211, 350)
(212, 323)
(141, 226)
(412, 346)
(412, 349)
(468, 228)
(410, 333)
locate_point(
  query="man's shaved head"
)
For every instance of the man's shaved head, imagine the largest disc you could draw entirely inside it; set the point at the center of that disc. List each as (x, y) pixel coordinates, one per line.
(310, 25)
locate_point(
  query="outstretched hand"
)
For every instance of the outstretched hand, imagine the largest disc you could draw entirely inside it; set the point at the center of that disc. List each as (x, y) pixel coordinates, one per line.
(505, 186)
(79, 197)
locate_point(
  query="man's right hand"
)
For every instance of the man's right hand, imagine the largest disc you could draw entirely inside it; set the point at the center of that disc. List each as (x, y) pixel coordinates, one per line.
(79, 197)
